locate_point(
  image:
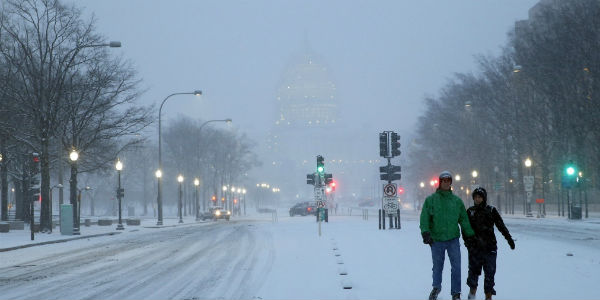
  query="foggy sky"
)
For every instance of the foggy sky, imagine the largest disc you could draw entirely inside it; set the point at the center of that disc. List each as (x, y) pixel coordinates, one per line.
(385, 55)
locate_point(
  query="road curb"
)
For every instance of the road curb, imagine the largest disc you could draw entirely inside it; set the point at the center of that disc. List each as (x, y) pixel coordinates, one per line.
(57, 241)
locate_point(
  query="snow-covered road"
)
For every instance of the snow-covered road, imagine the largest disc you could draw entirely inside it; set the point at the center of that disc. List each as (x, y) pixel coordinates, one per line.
(216, 260)
(258, 257)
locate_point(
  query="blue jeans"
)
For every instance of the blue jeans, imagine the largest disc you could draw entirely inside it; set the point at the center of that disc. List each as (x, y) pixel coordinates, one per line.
(438, 255)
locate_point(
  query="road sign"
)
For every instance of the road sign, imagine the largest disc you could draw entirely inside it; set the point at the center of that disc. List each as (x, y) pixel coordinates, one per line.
(498, 186)
(390, 205)
(390, 190)
(321, 203)
(528, 183)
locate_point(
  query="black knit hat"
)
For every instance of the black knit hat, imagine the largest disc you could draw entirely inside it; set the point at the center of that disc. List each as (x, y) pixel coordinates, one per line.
(481, 192)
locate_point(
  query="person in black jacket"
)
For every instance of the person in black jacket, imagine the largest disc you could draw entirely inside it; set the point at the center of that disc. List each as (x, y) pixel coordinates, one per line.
(482, 249)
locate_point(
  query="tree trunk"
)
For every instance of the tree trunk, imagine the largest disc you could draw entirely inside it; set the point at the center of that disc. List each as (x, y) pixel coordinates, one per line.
(4, 180)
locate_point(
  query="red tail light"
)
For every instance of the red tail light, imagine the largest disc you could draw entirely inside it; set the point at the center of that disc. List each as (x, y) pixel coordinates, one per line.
(308, 208)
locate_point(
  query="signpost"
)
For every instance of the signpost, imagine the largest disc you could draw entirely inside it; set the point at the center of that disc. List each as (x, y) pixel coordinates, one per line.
(389, 147)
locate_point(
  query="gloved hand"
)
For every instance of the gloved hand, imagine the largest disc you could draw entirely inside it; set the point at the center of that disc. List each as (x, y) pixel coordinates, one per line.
(511, 243)
(427, 238)
(470, 241)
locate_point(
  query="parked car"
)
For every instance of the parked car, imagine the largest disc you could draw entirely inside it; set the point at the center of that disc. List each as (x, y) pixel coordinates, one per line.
(215, 213)
(303, 209)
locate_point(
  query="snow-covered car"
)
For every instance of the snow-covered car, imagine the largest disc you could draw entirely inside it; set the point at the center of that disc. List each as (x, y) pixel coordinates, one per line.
(216, 213)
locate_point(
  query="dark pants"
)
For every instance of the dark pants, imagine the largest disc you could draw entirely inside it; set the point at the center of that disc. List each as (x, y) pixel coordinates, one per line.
(479, 259)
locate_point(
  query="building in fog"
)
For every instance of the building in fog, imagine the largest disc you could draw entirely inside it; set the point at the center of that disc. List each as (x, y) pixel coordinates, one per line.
(310, 122)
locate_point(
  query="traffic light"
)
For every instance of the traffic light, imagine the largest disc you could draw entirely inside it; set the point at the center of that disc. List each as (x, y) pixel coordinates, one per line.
(400, 190)
(214, 198)
(333, 186)
(395, 144)
(383, 144)
(569, 177)
(328, 178)
(310, 179)
(320, 164)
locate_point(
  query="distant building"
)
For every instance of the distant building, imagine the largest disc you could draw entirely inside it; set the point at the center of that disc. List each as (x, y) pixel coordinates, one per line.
(309, 123)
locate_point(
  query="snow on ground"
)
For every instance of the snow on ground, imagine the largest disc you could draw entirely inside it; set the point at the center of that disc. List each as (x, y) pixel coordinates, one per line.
(380, 264)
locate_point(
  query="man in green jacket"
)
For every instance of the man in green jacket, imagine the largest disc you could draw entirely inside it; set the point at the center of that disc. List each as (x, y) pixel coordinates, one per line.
(442, 213)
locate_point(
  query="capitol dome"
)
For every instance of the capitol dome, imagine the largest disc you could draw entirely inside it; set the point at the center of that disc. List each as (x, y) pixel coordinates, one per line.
(307, 95)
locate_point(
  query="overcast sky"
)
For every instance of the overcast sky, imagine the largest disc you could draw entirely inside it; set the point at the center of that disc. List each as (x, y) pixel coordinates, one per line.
(384, 56)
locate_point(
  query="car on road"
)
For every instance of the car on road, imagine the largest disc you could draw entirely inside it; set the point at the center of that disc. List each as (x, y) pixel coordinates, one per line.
(215, 213)
(303, 209)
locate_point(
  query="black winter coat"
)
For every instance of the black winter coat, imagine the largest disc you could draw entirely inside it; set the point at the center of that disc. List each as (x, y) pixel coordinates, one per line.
(483, 217)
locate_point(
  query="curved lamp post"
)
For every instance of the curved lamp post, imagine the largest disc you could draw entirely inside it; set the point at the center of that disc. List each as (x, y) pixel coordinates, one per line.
(159, 199)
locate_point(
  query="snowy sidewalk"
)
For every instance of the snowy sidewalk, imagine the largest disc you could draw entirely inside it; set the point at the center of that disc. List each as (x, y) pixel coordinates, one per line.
(18, 239)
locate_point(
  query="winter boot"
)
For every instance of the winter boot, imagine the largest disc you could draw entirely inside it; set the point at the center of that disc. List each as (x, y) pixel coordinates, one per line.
(456, 296)
(472, 292)
(488, 296)
(434, 293)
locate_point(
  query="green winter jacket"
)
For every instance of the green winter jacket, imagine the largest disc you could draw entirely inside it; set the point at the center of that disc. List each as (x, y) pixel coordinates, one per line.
(441, 214)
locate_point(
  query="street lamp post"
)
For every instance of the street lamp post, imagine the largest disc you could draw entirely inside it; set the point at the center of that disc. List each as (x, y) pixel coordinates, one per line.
(528, 189)
(224, 197)
(180, 180)
(244, 193)
(74, 156)
(196, 184)
(159, 198)
(119, 167)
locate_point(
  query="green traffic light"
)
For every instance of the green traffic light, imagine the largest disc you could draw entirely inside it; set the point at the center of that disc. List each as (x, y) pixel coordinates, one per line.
(570, 171)
(320, 169)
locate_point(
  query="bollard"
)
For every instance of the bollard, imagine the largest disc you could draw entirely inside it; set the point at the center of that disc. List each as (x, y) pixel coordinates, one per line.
(379, 214)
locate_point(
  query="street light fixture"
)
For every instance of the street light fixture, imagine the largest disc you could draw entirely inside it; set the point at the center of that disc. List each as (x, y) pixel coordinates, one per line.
(159, 198)
(119, 167)
(474, 174)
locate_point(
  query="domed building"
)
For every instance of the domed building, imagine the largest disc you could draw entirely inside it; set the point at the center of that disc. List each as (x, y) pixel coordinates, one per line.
(307, 95)
(308, 123)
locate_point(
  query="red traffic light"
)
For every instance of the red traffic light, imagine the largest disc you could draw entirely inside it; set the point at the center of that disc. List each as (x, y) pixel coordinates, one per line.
(400, 190)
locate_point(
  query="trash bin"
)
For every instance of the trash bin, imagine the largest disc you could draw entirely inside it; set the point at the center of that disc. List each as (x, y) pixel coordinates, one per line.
(576, 212)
